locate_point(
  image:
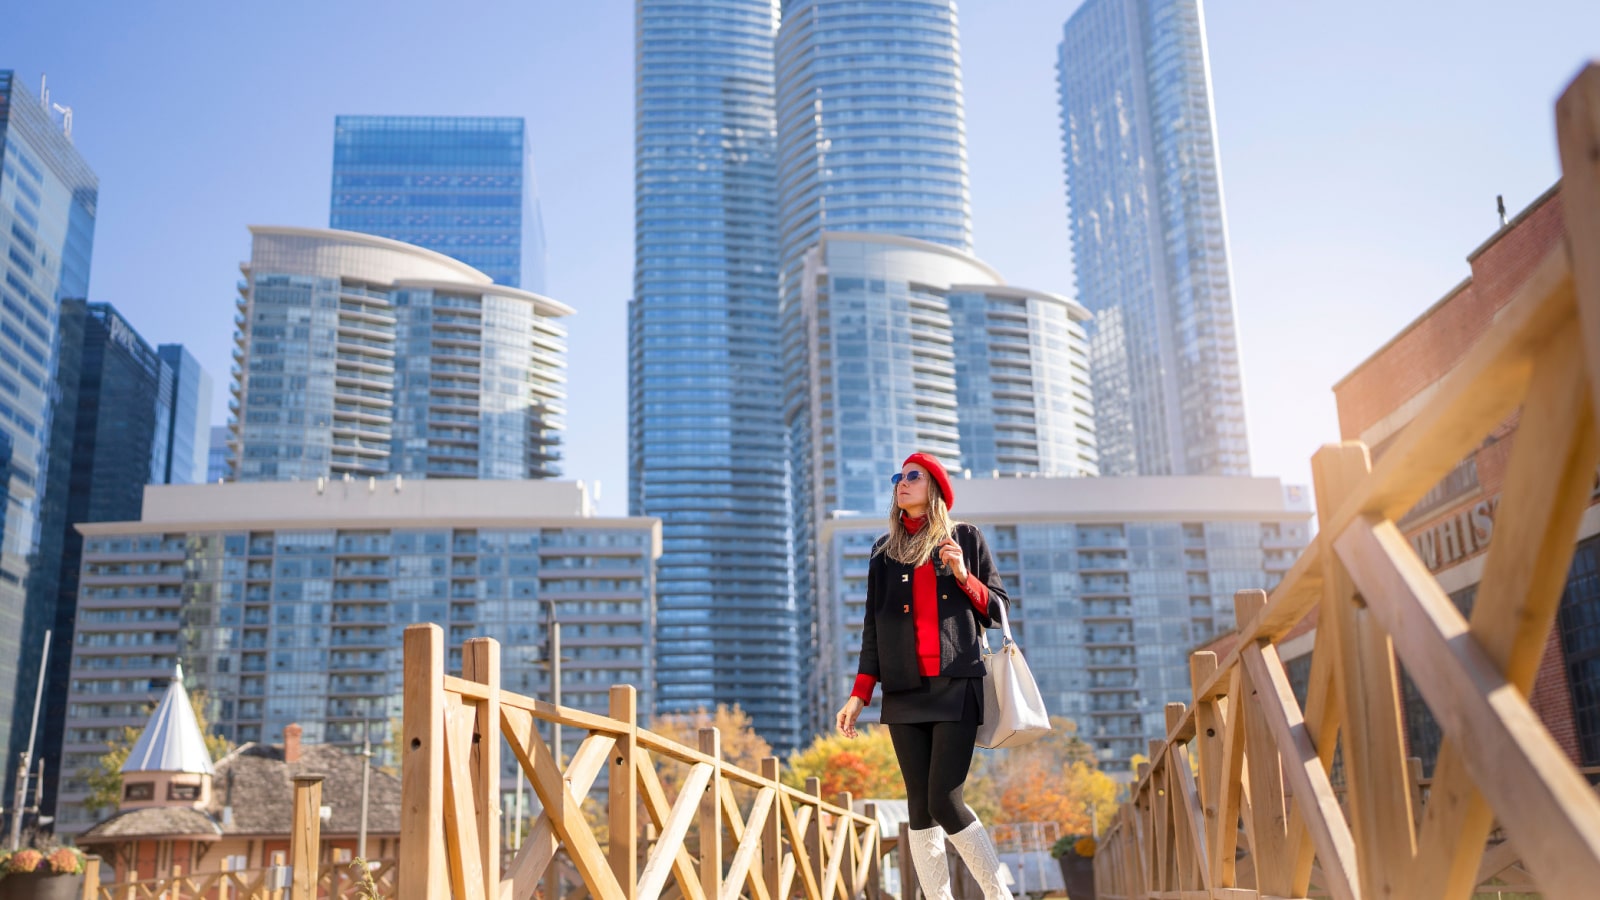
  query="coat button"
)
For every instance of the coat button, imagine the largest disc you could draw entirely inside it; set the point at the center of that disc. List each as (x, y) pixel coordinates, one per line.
(944, 596)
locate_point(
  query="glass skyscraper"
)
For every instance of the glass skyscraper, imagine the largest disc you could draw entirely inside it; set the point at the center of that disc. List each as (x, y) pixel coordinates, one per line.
(1149, 239)
(871, 127)
(186, 449)
(48, 199)
(362, 356)
(456, 184)
(893, 346)
(706, 439)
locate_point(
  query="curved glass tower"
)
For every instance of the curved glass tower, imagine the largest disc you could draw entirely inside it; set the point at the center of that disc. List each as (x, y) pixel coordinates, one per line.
(871, 129)
(363, 356)
(1149, 238)
(706, 440)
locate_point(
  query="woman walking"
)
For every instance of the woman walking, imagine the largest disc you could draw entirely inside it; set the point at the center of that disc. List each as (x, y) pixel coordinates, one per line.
(931, 587)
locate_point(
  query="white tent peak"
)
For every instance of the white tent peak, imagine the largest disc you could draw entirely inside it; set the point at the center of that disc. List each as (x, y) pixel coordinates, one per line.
(171, 741)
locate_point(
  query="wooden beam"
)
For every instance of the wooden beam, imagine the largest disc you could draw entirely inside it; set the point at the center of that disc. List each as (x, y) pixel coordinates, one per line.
(566, 816)
(1224, 845)
(305, 838)
(1539, 797)
(655, 799)
(749, 846)
(424, 871)
(1313, 793)
(1544, 495)
(1269, 816)
(711, 817)
(460, 813)
(772, 835)
(1578, 138)
(480, 663)
(539, 850)
(673, 830)
(622, 804)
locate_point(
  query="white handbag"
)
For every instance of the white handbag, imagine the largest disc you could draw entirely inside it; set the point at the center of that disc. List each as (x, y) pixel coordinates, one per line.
(1013, 711)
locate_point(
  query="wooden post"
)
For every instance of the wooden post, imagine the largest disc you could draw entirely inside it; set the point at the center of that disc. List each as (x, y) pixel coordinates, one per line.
(711, 817)
(875, 847)
(910, 888)
(816, 840)
(91, 878)
(480, 662)
(623, 798)
(424, 870)
(772, 833)
(132, 891)
(305, 836)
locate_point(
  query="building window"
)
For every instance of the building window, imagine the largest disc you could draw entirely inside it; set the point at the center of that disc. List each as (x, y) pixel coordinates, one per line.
(1580, 641)
(183, 791)
(139, 790)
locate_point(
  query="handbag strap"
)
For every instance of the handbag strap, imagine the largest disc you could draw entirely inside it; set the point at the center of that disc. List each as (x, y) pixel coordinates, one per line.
(1005, 627)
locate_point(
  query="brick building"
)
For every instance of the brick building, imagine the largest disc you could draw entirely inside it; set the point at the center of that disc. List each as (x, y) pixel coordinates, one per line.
(1452, 526)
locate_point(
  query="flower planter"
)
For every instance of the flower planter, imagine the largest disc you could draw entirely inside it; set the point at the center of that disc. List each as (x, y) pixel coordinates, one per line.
(1077, 872)
(41, 886)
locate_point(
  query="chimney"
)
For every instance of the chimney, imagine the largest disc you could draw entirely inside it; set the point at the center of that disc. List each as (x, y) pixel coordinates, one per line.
(291, 743)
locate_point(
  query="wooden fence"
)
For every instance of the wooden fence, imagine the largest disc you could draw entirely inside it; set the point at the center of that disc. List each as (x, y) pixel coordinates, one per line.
(1245, 766)
(783, 842)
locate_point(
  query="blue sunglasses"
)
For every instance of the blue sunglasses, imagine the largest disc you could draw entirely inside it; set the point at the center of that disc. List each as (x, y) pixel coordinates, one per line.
(913, 476)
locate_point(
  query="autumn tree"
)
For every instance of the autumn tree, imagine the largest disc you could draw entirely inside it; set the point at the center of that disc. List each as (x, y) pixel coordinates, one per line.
(1054, 779)
(741, 745)
(865, 766)
(105, 778)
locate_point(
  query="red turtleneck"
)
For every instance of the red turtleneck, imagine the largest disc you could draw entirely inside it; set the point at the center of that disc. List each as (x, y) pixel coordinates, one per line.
(925, 614)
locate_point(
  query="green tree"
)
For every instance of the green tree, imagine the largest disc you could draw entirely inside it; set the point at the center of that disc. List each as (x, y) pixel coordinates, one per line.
(105, 778)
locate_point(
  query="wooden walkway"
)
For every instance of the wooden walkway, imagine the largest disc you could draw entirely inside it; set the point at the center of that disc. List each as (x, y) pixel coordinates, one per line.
(1245, 766)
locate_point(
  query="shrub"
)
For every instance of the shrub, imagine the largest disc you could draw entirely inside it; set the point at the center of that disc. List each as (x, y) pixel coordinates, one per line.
(23, 861)
(66, 861)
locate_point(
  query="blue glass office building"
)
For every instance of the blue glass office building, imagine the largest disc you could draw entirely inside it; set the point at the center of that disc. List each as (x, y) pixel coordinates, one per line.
(459, 185)
(706, 439)
(1149, 238)
(871, 133)
(185, 449)
(48, 198)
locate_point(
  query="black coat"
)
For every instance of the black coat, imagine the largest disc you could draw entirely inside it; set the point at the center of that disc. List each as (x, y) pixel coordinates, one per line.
(889, 632)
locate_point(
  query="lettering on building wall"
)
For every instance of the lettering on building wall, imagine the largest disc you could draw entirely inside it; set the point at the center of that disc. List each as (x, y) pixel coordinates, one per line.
(1457, 537)
(122, 334)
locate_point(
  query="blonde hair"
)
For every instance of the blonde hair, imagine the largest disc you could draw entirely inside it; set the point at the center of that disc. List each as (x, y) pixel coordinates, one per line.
(916, 549)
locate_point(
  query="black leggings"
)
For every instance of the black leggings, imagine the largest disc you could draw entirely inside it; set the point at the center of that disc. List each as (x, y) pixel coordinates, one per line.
(934, 759)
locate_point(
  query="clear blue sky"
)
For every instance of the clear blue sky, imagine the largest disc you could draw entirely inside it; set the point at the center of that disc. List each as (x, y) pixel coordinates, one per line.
(1362, 146)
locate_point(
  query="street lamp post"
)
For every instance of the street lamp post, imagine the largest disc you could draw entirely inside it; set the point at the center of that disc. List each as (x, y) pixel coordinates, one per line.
(21, 801)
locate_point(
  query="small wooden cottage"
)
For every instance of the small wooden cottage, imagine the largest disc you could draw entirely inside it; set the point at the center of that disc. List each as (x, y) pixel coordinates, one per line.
(183, 815)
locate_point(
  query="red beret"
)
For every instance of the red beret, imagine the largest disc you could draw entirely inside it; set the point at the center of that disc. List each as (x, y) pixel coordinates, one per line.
(939, 475)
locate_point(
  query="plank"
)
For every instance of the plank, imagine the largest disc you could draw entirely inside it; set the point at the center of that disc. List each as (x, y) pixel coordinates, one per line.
(1313, 793)
(1269, 836)
(1544, 495)
(1225, 845)
(673, 831)
(1321, 719)
(1194, 817)
(748, 847)
(480, 663)
(1578, 139)
(711, 816)
(1538, 796)
(737, 827)
(460, 813)
(1377, 786)
(533, 860)
(772, 835)
(567, 817)
(799, 852)
(655, 799)
(622, 802)
(424, 872)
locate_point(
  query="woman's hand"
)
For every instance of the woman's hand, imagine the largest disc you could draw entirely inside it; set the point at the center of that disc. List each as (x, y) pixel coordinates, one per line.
(846, 719)
(950, 552)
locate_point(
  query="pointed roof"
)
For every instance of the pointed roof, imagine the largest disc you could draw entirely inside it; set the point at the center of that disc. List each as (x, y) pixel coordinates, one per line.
(171, 741)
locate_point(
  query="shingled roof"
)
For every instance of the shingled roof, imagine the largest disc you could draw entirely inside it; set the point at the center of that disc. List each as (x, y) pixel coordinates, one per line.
(259, 786)
(154, 822)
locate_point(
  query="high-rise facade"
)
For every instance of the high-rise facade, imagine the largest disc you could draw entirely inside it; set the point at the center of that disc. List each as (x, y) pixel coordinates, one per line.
(1149, 239)
(187, 443)
(285, 603)
(1113, 582)
(460, 185)
(359, 355)
(217, 456)
(706, 439)
(871, 126)
(117, 393)
(48, 198)
(893, 346)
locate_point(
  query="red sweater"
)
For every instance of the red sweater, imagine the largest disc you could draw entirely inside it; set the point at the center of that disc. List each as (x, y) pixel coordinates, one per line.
(925, 614)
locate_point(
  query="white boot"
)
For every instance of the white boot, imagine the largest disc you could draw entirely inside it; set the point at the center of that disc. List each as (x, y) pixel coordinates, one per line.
(978, 852)
(933, 870)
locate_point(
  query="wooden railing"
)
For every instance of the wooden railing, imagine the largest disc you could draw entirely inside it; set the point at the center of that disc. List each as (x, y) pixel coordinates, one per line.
(335, 881)
(1263, 762)
(783, 842)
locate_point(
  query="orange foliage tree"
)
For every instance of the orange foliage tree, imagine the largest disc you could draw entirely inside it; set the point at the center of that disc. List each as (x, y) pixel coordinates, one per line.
(865, 766)
(741, 745)
(1054, 779)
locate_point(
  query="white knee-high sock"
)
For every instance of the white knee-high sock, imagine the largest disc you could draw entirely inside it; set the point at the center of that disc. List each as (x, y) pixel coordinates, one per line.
(933, 870)
(979, 854)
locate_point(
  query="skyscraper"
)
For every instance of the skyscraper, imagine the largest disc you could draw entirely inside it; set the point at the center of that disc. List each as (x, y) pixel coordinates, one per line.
(186, 446)
(456, 184)
(706, 440)
(117, 394)
(48, 199)
(1149, 238)
(871, 126)
(363, 356)
(892, 346)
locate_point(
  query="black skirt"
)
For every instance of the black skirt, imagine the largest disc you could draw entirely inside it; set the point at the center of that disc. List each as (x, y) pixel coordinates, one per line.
(937, 699)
